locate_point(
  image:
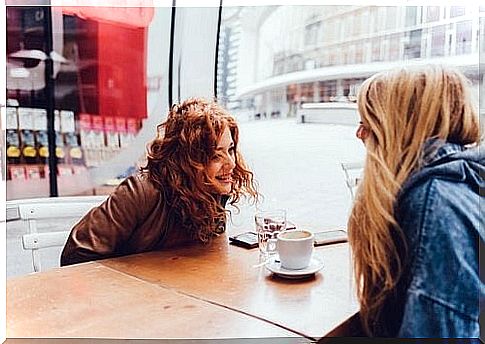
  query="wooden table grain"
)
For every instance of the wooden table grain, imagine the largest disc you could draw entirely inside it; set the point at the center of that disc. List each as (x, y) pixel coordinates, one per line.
(92, 300)
(225, 275)
(201, 291)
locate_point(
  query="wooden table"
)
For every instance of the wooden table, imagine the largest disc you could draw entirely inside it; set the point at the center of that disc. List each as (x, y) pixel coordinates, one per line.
(193, 292)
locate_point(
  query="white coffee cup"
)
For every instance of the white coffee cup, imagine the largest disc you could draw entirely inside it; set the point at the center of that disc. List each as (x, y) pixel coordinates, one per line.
(295, 248)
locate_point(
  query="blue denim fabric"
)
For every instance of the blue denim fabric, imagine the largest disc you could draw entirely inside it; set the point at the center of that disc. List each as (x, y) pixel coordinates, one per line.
(439, 211)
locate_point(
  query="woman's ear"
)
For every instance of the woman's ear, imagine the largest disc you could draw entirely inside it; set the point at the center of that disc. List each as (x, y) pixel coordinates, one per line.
(362, 132)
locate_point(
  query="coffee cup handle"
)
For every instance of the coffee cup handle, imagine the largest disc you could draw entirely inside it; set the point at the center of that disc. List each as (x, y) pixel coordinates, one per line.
(271, 246)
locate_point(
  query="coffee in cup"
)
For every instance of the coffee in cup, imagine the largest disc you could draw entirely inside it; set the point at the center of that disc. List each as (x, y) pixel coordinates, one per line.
(295, 248)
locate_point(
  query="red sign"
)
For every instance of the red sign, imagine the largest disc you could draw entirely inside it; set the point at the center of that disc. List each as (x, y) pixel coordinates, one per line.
(109, 124)
(133, 15)
(120, 123)
(97, 122)
(132, 125)
(84, 121)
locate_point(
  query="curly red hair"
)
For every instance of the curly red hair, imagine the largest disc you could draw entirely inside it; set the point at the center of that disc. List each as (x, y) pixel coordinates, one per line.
(177, 161)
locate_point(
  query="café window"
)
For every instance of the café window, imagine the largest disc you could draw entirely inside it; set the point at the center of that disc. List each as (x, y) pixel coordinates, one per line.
(380, 37)
(105, 82)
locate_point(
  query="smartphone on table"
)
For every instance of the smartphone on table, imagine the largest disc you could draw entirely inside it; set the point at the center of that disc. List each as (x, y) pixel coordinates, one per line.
(330, 237)
(246, 239)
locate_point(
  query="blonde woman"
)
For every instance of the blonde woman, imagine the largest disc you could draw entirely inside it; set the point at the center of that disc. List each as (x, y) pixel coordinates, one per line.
(416, 227)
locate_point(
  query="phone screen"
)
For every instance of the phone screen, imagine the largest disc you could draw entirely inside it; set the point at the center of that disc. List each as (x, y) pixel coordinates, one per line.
(246, 239)
(330, 237)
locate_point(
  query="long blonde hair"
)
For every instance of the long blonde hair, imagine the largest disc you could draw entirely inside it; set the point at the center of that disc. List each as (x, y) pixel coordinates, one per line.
(401, 109)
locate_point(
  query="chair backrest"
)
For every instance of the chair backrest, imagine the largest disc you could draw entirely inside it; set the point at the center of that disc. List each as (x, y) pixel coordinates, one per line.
(52, 208)
(353, 173)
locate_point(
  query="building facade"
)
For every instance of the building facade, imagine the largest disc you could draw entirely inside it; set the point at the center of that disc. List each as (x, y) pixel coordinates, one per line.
(289, 55)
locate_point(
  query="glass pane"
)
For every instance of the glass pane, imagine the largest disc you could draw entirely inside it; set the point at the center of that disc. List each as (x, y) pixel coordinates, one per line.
(456, 11)
(464, 37)
(411, 15)
(438, 41)
(412, 49)
(296, 154)
(110, 77)
(432, 13)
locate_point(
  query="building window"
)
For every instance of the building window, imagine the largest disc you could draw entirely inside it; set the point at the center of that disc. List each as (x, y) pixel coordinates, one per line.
(411, 16)
(333, 57)
(357, 24)
(376, 49)
(295, 63)
(311, 33)
(456, 11)
(347, 54)
(394, 47)
(278, 65)
(292, 93)
(438, 40)
(306, 91)
(412, 49)
(310, 64)
(432, 13)
(327, 90)
(359, 53)
(464, 37)
(391, 18)
(350, 88)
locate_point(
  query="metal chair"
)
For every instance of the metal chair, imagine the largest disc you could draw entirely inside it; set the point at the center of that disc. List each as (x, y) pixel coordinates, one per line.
(52, 208)
(353, 173)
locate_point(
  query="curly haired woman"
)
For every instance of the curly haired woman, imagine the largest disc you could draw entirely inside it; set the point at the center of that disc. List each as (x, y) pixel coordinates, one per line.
(416, 227)
(194, 167)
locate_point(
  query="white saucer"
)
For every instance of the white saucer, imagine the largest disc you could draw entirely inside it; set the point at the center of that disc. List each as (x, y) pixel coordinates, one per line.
(275, 267)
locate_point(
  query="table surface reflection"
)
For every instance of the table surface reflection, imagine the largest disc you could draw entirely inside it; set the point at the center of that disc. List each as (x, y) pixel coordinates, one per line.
(211, 291)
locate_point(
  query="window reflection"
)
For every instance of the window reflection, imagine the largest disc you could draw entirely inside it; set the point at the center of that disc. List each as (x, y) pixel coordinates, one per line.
(314, 58)
(103, 79)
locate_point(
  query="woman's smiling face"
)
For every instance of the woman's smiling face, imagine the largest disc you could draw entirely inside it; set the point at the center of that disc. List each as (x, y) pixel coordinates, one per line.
(220, 168)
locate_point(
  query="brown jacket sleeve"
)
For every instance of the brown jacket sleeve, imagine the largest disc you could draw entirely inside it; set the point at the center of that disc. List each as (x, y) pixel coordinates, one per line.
(102, 232)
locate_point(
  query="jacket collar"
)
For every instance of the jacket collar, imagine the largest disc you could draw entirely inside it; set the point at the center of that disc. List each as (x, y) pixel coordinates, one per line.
(437, 150)
(451, 161)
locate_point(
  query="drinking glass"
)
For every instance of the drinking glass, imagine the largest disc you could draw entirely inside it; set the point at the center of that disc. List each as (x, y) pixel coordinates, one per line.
(268, 225)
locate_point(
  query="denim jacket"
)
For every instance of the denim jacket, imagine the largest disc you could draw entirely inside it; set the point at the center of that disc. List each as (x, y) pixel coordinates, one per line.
(441, 292)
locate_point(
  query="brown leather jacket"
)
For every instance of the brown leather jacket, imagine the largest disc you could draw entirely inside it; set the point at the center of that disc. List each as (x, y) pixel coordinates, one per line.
(133, 219)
